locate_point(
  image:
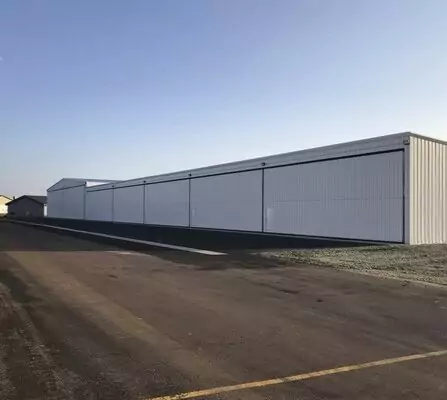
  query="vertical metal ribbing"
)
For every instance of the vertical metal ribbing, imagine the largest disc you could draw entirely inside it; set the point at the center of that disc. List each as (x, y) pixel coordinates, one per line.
(113, 203)
(144, 202)
(189, 201)
(404, 211)
(262, 200)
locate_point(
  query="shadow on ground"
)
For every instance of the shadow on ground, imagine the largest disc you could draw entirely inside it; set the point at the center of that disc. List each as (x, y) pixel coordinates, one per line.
(14, 236)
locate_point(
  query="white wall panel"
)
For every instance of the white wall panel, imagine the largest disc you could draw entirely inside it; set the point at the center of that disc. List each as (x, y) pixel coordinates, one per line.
(359, 198)
(428, 191)
(98, 205)
(54, 200)
(73, 200)
(232, 201)
(66, 203)
(167, 203)
(128, 204)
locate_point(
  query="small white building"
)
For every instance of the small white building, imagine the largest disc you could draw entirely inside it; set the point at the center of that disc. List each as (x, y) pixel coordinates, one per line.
(387, 189)
(3, 201)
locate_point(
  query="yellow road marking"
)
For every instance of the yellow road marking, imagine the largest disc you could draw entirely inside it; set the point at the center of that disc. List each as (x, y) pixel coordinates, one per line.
(300, 377)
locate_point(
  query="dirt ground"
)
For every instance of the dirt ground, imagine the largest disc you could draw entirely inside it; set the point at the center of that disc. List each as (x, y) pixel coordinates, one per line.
(424, 263)
(82, 320)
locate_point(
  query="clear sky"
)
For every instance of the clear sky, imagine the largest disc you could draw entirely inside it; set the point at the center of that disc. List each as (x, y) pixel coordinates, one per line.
(127, 88)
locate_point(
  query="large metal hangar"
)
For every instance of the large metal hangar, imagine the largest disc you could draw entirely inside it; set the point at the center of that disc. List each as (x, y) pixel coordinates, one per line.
(389, 189)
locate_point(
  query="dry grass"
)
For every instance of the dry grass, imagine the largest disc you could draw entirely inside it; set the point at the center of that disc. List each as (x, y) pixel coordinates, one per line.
(425, 263)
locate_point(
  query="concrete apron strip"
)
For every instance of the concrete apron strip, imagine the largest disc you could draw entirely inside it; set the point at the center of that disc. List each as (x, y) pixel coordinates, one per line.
(127, 253)
(130, 240)
(296, 378)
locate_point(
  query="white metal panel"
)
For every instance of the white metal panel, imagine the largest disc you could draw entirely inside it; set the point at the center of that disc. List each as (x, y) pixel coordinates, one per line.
(66, 203)
(231, 201)
(378, 144)
(66, 199)
(54, 200)
(428, 191)
(73, 202)
(358, 198)
(98, 205)
(128, 204)
(167, 203)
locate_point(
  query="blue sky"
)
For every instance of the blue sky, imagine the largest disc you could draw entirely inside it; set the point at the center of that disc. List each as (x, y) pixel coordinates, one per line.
(121, 89)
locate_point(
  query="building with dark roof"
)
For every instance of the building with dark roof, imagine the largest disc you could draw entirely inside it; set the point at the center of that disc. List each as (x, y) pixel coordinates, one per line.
(27, 206)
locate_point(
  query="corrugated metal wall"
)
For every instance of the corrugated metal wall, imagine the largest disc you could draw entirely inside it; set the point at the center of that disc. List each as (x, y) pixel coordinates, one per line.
(231, 201)
(54, 200)
(99, 205)
(66, 203)
(167, 203)
(74, 202)
(358, 198)
(428, 191)
(357, 192)
(128, 204)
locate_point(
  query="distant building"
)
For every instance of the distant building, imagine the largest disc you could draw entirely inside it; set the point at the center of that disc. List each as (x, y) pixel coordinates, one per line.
(3, 200)
(27, 206)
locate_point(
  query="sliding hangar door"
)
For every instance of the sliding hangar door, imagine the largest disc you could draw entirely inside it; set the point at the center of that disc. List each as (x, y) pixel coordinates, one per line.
(354, 197)
(230, 201)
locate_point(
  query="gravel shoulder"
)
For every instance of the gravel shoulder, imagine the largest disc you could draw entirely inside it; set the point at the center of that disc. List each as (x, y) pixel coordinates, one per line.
(424, 263)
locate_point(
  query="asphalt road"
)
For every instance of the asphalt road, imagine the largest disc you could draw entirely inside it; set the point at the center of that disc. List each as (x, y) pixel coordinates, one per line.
(82, 320)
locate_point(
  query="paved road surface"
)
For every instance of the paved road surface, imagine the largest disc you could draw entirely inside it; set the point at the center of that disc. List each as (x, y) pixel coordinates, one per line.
(80, 320)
